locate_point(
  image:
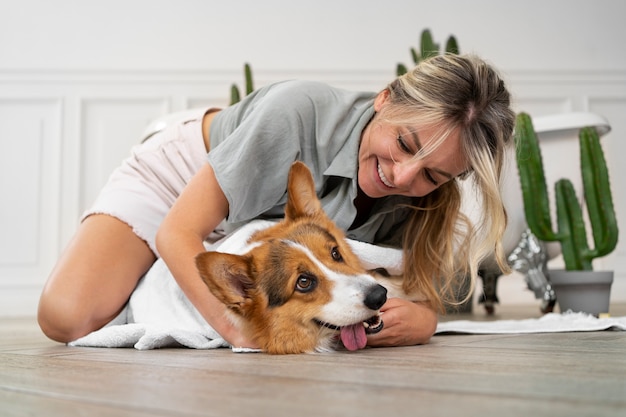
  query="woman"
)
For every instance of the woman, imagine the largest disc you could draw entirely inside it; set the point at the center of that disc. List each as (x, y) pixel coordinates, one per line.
(386, 168)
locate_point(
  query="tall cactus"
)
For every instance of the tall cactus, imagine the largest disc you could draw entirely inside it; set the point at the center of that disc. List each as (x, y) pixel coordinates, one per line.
(571, 232)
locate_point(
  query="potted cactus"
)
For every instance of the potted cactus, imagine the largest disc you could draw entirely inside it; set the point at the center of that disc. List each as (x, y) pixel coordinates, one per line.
(578, 287)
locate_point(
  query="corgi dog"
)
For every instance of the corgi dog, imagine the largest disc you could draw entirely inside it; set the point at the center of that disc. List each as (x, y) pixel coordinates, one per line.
(297, 286)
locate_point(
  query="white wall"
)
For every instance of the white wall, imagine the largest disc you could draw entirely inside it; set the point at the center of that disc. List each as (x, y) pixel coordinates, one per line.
(80, 79)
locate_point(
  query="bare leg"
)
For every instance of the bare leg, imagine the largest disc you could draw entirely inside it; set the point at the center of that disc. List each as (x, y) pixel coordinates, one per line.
(93, 279)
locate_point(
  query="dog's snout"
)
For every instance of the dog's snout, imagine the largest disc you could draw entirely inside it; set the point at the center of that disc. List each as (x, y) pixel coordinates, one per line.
(376, 296)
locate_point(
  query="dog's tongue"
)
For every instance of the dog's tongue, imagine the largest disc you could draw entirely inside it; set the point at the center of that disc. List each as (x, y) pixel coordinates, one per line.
(353, 337)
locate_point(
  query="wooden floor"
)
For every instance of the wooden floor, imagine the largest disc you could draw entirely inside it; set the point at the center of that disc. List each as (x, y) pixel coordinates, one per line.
(570, 374)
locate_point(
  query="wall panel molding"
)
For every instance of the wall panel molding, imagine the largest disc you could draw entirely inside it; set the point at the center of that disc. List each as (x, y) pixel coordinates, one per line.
(30, 165)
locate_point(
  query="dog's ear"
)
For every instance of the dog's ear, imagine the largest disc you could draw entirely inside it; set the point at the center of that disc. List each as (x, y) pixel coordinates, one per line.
(301, 197)
(228, 277)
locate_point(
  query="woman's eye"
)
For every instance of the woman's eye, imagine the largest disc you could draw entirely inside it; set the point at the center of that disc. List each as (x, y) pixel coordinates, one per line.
(402, 144)
(430, 178)
(306, 283)
(336, 255)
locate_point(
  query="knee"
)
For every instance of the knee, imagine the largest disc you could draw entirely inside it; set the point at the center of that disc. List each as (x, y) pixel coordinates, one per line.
(63, 320)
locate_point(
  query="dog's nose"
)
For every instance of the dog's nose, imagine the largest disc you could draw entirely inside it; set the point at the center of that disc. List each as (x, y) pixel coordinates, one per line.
(376, 296)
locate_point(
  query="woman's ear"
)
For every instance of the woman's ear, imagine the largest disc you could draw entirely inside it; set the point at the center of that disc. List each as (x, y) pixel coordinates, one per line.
(381, 99)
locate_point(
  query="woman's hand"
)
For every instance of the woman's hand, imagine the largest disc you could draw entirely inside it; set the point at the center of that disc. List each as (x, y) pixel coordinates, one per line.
(406, 324)
(233, 335)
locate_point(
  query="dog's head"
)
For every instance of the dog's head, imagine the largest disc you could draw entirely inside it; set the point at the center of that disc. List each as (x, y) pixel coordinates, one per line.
(300, 285)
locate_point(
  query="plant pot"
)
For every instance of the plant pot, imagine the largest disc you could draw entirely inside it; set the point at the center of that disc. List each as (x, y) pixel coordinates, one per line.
(582, 291)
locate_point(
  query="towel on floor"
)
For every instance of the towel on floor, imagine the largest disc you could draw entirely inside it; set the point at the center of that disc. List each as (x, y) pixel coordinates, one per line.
(549, 323)
(158, 314)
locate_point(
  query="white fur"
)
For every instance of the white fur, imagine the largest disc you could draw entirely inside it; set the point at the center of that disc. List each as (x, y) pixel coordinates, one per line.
(348, 292)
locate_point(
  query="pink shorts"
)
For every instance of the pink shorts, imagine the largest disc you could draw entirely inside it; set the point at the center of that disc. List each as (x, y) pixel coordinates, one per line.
(142, 190)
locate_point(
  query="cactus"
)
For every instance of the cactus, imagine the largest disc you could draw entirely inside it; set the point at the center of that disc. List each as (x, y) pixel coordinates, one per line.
(452, 46)
(428, 48)
(571, 231)
(235, 96)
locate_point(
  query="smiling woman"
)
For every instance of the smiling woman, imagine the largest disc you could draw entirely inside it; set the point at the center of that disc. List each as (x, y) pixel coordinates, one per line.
(451, 118)
(385, 167)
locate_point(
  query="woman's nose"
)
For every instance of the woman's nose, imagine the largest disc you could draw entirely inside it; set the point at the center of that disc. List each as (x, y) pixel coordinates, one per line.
(405, 173)
(409, 178)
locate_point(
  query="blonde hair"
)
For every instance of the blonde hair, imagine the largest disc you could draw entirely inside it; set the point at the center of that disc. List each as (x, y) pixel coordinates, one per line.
(461, 93)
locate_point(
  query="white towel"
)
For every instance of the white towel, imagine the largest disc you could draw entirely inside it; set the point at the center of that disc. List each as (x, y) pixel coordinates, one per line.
(158, 313)
(549, 323)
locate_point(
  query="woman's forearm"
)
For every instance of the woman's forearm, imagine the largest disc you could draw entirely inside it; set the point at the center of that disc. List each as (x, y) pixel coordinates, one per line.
(178, 249)
(196, 213)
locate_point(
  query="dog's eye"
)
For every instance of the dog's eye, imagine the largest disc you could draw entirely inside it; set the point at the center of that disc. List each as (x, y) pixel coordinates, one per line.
(306, 283)
(336, 255)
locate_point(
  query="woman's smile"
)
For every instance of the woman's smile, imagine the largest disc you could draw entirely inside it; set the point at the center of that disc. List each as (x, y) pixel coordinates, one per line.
(383, 178)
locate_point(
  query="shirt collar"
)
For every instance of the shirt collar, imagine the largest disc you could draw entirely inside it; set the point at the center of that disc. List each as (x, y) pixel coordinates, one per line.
(346, 162)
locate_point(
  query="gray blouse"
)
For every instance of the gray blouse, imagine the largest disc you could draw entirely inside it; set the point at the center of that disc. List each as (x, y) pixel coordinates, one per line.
(254, 143)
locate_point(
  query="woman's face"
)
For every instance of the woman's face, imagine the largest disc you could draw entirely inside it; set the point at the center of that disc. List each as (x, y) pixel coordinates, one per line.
(386, 159)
